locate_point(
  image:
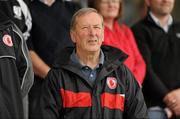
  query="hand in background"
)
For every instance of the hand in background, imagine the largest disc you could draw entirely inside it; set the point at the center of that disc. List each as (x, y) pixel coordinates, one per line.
(172, 100)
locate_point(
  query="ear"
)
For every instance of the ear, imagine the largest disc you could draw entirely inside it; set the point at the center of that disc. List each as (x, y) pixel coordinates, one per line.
(147, 2)
(103, 35)
(72, 34)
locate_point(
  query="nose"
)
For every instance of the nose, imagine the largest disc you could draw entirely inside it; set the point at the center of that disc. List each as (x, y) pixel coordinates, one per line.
(92, 31)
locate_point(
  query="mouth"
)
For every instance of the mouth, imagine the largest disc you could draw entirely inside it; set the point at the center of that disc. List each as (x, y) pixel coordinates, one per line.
(93, 41)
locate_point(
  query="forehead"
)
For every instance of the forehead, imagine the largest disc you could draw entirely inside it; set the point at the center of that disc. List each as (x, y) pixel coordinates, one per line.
(89, 18)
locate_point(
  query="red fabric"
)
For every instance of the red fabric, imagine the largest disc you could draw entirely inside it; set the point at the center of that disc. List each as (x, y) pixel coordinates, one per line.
(72, 99)
(113, 101)
(122, 37)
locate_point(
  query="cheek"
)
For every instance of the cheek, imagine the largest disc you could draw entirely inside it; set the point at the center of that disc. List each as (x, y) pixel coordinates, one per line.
(83, 34)
(80, 36)
(103, 10)
(117, 9)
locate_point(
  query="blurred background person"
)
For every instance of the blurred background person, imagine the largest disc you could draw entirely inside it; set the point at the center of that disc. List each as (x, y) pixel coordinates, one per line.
(50, 34)
(18, 13)
(139, 10)
(120, 35)
(158, 37)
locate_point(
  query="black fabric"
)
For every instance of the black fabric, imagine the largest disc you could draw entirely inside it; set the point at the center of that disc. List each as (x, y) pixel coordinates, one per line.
(10, 77)
(161, 52)
(3, 17)
(50, 34)
(50, 31)
(16, 75)
(69, 77)
(8, 7)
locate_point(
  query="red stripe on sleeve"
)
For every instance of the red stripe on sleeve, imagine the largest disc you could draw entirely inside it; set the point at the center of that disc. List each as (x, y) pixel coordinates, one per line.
(72, 99)
(113, 101)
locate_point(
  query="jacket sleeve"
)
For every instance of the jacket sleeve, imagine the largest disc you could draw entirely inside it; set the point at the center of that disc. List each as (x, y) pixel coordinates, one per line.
(143, 36)
(16, 72)
(135, 107)
(51, 102)
(23, 61)
(10, 93)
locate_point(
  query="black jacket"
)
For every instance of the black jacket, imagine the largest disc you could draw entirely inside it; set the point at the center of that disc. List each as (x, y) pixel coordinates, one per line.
(161, 52)
(16, 75)
(14, 11)
(115, 94)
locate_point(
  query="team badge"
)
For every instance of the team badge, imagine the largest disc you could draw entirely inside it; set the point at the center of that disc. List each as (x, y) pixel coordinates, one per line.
(112, 82)
(7, 40)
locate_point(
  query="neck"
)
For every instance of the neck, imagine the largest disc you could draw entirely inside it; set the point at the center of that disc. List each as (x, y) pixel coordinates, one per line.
(109, 23)
(48, 2)
(90, 59)
(163, 19)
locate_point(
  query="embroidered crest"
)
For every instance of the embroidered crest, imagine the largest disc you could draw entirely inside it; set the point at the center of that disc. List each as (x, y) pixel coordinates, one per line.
(112, 82)
(178, 35)
(7, 40)
(17, 12)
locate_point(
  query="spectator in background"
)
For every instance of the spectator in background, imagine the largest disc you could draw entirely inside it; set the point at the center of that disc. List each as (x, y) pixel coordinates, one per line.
(50, 34)
(119, 35)
(92, 82)
(16, 74)
(158, 37)
(17, 12)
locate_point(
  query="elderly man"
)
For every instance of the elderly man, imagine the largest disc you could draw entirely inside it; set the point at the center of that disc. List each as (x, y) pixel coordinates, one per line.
(92, 82)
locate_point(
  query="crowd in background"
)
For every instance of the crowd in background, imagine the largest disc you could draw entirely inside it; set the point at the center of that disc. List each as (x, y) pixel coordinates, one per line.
(136, 28)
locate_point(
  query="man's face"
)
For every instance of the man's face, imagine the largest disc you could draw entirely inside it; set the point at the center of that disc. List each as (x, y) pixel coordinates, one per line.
(88, 33)
(161, 7)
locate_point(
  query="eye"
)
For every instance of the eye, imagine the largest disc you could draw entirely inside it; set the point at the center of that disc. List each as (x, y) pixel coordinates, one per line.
(85, 27)
(97, 27)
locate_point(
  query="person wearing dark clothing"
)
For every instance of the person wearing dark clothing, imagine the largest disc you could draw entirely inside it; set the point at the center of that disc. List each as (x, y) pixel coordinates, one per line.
(90, 81)
(158, 37)
(16, 75)
(50, 30)
(17, 11)
(49, 34)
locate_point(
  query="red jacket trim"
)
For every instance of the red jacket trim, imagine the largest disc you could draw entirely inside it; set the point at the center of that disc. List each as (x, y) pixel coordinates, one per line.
(113, 101)
(72, 99)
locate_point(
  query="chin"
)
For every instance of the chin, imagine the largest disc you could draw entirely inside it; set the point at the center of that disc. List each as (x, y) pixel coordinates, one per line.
(93, 49)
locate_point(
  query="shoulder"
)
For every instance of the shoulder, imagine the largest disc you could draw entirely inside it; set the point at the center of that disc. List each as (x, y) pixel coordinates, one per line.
(54, 75)
(139, 25)
(144, 24)
(143, 28)
(126, 77)
(125, 28)
(112, 54)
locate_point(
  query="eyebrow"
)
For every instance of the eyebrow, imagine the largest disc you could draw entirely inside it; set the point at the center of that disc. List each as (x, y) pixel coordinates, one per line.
(92, 25)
